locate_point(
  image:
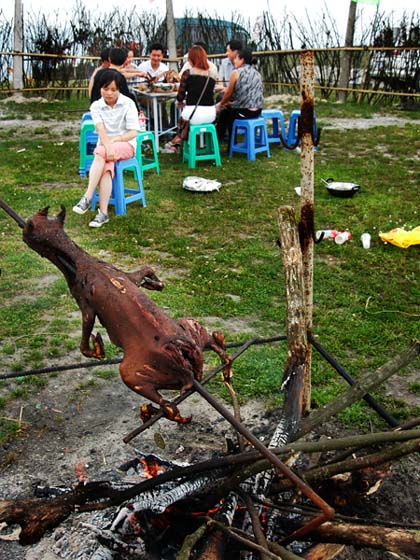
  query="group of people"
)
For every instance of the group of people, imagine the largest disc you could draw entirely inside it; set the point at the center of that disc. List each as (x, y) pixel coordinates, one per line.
(238, 86)
(114, 106)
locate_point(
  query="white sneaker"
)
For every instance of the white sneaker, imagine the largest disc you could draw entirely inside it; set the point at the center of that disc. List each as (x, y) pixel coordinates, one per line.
(82, 206)
(170, 148)
(99, 220)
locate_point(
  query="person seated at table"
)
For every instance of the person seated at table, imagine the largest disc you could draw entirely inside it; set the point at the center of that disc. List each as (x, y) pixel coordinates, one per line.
(243, 98)
(195, 83)
(117, 58)
(132, 73)
(105, 63)
(154, 67)
(212, 67)
(227, 65)
(116, 121)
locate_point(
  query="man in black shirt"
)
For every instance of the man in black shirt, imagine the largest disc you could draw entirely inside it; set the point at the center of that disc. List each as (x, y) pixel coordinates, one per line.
(117, 57)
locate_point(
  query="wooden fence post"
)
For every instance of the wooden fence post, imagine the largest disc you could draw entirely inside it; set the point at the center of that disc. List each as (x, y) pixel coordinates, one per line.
(306, 226)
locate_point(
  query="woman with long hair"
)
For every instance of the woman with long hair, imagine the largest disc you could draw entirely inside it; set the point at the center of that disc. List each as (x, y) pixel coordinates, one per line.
(196, 85)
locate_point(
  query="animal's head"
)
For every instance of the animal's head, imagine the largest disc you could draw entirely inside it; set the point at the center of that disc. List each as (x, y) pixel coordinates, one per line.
(47, 237)
(41, 232)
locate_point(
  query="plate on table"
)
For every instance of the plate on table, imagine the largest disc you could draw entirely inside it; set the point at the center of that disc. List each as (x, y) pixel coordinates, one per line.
(163, 87)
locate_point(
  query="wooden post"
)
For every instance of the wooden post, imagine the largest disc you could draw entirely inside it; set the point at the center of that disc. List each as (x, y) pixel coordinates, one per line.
(306, 226)
(346, 55)
(18, 47)
(171, 32)
(294, 373)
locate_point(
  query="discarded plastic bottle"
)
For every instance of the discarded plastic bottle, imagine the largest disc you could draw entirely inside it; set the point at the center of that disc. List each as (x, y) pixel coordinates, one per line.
(342, 237)
(328, 233)
(142, 121)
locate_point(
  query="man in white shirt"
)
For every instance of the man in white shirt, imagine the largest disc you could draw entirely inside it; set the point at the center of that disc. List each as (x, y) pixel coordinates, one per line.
(154, 66)
(226, 67)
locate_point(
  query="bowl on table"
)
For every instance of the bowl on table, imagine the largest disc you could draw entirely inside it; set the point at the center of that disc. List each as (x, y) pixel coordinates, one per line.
(163, 87)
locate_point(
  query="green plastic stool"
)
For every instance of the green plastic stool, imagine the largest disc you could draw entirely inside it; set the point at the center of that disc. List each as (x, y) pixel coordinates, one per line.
(201, 134)
(87, 142)
(146, 162)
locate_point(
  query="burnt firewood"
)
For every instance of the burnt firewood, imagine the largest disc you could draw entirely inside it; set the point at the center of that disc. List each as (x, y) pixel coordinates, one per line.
(383, 538)
(34, 521)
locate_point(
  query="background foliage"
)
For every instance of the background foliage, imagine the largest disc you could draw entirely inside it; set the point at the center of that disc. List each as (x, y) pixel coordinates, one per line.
(87, 32)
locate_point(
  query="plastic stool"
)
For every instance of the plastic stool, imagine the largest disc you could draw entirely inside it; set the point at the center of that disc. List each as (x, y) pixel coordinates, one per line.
(278, 125)
(119, 193)
(86, 116)
(205, 135)
(87, 142)
(255, 139)
(147, 162)
(292, 132)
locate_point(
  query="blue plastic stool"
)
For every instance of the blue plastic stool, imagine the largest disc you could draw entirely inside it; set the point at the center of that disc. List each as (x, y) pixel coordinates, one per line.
(119, 193)
(254, 137)
(86, 116)
(204, 135)
(278, 125)
(292, 132)
(87, 141)
(147, 162)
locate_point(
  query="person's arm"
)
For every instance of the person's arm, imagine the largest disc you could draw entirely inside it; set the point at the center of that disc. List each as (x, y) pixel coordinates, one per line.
(105, 140)
(230, 89)
(182, 90)
(130, 127)
(133, 72)
(126, 137)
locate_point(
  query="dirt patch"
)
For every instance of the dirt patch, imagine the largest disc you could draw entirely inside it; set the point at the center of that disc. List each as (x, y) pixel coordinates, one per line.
(80, 418)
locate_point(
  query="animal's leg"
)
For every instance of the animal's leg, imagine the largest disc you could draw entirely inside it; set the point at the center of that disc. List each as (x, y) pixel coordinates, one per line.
(147, 410)
(98, 350)
(145, 277)
(143, 383)
(217, 344)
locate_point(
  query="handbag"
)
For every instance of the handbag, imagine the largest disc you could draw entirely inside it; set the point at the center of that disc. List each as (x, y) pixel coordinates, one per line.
(184, 124)
(183, 128)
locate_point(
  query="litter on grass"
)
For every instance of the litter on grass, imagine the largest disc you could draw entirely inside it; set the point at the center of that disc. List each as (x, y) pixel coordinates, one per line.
(401, 237)
(199, 184)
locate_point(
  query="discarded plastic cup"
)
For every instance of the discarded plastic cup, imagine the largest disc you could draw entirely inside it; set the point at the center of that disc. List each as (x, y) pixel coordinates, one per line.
(365, 237)
(342, 237)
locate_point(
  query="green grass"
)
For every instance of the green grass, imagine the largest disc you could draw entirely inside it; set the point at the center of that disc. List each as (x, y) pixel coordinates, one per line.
(218, 255)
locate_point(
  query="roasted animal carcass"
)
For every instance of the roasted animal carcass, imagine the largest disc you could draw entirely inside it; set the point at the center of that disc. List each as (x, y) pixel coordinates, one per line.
(159, 352)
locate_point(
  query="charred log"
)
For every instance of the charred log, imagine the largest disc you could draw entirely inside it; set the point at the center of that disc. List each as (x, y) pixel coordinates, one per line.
(382, 538)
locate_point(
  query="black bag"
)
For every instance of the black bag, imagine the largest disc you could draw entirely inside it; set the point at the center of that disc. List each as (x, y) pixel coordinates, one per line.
(183, 128)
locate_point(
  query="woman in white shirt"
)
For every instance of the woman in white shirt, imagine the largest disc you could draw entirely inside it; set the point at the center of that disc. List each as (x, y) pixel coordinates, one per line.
(115, 118)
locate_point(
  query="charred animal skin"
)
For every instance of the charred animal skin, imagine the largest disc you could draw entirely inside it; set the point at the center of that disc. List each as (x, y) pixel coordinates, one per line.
(158, 351)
